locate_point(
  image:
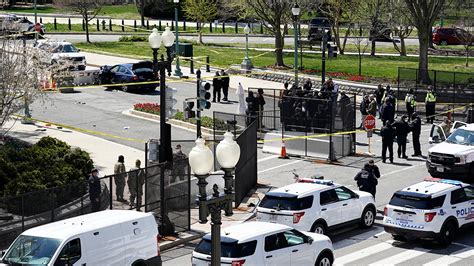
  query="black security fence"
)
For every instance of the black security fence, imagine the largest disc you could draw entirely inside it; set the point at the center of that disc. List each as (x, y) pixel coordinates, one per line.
(21, 212)
(454, 91)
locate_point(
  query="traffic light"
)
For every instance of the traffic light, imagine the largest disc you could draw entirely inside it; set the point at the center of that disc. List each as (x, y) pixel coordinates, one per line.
(188, 109)
(204, 96)
(170, 102)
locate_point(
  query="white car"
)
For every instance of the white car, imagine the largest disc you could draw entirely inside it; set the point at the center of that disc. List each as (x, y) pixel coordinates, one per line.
(317, 206)
(453, 156)
(260, 243)
(432, 209)
(63, 53)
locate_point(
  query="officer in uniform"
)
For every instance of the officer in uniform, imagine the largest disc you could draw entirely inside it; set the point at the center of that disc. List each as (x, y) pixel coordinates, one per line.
(430, 104)
(120, 175)
(402, 129)
(410, 102)
(387, 134)
(136, 179)
(415, 127)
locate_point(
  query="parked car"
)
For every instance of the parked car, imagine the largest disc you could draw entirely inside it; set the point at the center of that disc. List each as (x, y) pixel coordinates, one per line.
(111, 237)
(451, 36)
(129, 73)
(63, 53)
(317, 26)
(13, 24)
(260, 243)
(317, 206)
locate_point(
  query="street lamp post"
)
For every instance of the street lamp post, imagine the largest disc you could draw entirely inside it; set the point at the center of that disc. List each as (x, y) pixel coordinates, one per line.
(296, 12)
(246, 63)
(323, 57)
(201, 161)
(177, 71)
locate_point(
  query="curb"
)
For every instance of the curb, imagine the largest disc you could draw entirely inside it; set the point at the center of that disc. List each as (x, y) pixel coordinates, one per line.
(193, 235)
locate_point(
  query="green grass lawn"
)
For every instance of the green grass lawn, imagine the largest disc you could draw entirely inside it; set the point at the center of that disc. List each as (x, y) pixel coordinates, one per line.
(380, 67)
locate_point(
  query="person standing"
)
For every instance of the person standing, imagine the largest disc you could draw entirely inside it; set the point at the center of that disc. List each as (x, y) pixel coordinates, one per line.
(308, 85)
(402, 129)
(94, 190)
(135, 181)
(387, 134)
(367, 178)
(415, 127)
(410, 103)
(446, 126)
(120, 176)
(379, 92)
(252, 106)
(364, 104)
(388, 112)
(216, 87)
(260, 104)
(430, 105)
(225, 85)
(372, 109)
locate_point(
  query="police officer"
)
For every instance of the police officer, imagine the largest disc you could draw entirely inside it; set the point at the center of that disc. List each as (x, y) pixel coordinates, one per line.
(415, 127)
(430, 105)
(367, 178)
(402, 129)
(216, 87)
(387, 134)
(94, 190)
(410, 103)
(136, 179)
(120, 175)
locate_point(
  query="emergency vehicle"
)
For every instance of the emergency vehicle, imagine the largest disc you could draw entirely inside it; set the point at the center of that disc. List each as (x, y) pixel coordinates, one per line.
(432, 209)
(317, 205)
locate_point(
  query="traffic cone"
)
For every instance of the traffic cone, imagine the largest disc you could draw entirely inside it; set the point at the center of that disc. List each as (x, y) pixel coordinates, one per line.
(283, 154)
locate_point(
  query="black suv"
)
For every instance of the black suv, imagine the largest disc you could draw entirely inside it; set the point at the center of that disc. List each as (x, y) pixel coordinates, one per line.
(317, 27)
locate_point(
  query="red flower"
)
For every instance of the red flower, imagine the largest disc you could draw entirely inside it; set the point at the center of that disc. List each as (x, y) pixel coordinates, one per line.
(356, 78)
(152, 108)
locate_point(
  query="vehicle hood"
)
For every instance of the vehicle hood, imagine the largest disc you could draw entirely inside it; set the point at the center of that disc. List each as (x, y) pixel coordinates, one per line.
(71, 55)
(321, 240)
(365, 197)
(451, 148)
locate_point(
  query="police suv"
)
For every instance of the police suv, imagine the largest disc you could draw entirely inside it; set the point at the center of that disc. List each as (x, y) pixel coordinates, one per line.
(432, 209)
(317, 206)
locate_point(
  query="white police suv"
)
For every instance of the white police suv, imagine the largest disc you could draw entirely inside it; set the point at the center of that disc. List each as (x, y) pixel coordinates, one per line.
(432, 209)
(317, 206)
(260, 243)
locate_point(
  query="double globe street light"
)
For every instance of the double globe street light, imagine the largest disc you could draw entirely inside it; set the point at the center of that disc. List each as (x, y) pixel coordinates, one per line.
(246, 63)
(201, 160)
(295, 10)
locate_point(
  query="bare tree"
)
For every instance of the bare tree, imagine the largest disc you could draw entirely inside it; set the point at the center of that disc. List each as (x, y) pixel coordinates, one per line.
(141, 6)
(399, 23)
(340, 12)
(201, 11)
(423, 14)
(467, 40)
(361, 43)
(88, 9)
(20, 72)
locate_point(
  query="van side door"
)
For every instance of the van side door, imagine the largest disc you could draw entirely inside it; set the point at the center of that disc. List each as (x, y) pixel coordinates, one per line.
(71, 254)
(104, 246)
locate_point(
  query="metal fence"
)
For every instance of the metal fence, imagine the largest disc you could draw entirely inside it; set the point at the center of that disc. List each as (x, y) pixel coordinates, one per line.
(454, 91)
(19, 213)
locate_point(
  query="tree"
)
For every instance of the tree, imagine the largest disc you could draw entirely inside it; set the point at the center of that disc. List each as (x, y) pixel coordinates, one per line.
(20, 70)
(361, 43)
(88, 9)
(467, 39)
(399, 23)
(141, 7)
(201, 11)
(339, 12)
(423, 14)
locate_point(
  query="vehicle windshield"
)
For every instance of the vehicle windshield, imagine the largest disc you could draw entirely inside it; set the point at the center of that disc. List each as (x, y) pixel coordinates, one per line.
(286, 203)
(31, 250)
(228, 249)
(461, 136)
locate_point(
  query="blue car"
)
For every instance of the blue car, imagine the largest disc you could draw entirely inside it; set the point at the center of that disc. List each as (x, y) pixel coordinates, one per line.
(129, 73)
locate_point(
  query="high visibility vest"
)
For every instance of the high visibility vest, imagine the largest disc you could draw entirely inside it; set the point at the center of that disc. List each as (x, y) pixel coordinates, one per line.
(410, 98)
(430, 97)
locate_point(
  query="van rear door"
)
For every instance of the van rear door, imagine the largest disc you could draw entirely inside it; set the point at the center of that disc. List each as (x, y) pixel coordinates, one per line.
(104, 246)
(140, 239)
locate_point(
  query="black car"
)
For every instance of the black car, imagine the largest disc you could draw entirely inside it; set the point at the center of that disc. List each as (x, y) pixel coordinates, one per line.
(129, 73)
(317, 26)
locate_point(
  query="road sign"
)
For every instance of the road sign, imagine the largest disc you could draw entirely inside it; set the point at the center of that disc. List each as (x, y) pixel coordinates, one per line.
(369, 122)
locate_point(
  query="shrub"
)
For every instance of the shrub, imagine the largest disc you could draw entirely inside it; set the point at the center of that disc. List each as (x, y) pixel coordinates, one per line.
(133, 38)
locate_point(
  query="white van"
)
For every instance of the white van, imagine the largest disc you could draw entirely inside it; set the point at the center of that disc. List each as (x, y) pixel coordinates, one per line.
(112, 237)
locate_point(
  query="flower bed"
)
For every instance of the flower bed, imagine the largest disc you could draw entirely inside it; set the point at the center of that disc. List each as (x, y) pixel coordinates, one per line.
(151, 108)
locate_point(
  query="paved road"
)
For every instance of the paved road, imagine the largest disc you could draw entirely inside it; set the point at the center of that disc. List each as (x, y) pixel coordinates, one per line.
(206, 39)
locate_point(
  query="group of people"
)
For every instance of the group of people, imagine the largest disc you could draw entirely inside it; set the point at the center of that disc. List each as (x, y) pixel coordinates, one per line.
(255, 107)
(220, 82)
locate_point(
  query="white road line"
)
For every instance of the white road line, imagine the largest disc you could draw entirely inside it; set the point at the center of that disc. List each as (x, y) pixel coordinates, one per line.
(366, 252)
(401, 257)
(281, 165)
(267, 158)
(406, 168)
(452, 258)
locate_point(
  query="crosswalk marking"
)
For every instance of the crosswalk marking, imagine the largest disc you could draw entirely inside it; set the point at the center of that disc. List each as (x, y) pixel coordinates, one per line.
(363, 253)
(453, 257)
(401, 257)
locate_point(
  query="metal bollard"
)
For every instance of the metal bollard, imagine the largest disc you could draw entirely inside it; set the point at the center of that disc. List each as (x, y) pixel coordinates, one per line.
(147, 24)
(172, 25)
(41, 20)
(98, 25)
(55, 24)
(69, 23)
(135, 25)
(159, 25)
(210, 27)
(208, 67)
(236, 27)
(123, 25)
(192, 65)
(184, 25)
(223, 26)
(110, 24)
(261, 28)
(83, 25)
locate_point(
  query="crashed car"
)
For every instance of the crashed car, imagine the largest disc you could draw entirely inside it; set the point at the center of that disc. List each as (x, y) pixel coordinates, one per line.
(125, 74)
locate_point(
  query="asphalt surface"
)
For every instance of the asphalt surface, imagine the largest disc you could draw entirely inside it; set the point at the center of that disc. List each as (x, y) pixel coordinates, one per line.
(99, 109)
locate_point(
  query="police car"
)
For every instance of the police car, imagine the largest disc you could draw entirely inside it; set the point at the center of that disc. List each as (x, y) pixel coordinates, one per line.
(432, 209)
(317, 206)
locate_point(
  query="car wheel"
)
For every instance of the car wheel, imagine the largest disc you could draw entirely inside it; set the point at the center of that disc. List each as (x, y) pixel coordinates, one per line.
(124, 88)
(446, 236)
(368, 217)
(318, 228)
(444, 42)
(324, 259)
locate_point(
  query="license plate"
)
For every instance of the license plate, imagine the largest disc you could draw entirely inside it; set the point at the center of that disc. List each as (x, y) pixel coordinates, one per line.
(440, 169)
(273, 217)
